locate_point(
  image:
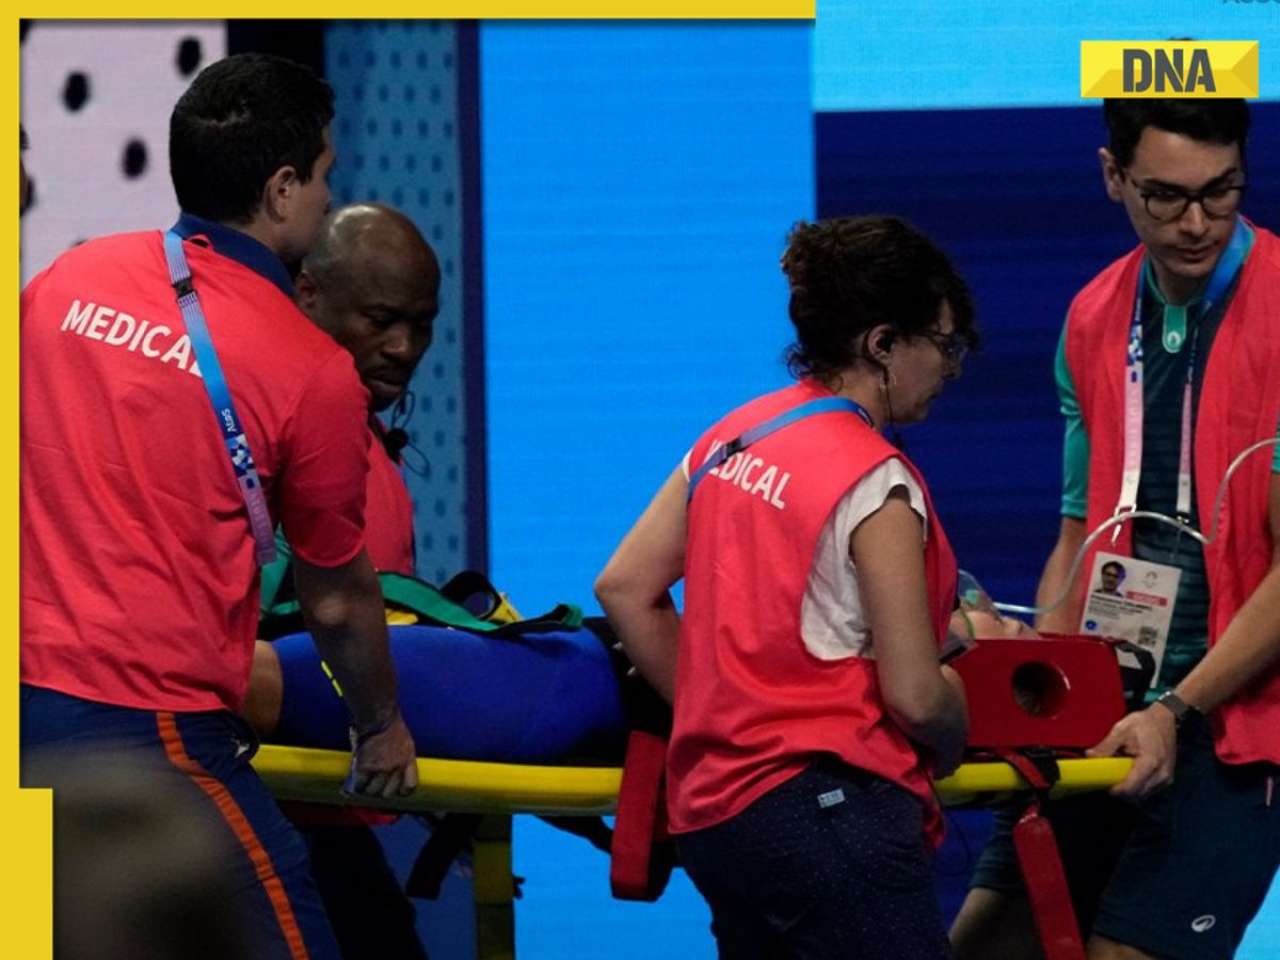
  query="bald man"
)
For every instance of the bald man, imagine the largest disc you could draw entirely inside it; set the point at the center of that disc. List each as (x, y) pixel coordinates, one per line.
(372, 283)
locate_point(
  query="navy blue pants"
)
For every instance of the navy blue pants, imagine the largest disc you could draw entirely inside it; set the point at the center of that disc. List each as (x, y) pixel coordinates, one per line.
(831, 865)
(203, 760)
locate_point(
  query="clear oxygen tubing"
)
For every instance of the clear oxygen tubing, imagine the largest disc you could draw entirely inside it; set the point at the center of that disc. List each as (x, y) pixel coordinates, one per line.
(1118, 518)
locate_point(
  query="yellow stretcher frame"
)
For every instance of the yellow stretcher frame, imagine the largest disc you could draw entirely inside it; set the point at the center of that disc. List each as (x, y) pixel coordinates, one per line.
(505, 789)
(468, 786)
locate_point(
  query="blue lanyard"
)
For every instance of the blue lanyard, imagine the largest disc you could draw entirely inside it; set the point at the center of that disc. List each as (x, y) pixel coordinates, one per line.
(762, 430)
(224, 411)
(1224, 273)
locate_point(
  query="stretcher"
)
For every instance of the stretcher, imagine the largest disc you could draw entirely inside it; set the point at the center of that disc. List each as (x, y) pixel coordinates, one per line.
(504, 789)
(465, 786)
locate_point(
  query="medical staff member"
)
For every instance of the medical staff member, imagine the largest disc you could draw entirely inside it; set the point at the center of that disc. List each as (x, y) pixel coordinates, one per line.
(1168, 369)
(372, 282)
(153, 465)
(809, 704)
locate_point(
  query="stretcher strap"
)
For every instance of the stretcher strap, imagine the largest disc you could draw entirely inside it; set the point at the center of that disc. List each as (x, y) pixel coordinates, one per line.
(1042, 868)
(637, 870)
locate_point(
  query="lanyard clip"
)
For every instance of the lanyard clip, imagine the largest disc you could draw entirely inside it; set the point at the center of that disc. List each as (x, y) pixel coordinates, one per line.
(1184, 524)
(1120, 511)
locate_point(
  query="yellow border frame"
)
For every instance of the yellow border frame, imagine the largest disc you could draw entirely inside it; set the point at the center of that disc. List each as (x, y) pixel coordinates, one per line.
(27, 815)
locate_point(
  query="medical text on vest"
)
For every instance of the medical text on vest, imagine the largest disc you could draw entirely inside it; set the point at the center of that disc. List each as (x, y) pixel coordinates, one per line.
(752, 475)
(116, 328)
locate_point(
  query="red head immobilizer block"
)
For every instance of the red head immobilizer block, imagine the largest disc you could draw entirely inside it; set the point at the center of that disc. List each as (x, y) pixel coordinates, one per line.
(1059, 692)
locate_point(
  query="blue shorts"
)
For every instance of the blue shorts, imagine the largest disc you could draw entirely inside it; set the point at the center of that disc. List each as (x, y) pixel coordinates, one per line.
(202, 759)
(1200, 860)
(1091, 829)
(830, 864)
(1179, 875)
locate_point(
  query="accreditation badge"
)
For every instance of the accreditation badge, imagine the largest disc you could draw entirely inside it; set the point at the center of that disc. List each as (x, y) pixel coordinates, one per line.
(1131, 600)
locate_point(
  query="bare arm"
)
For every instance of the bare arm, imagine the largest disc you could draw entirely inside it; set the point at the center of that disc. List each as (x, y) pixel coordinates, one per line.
(343, 610)
(1065, 618)
(634, 587)
(923, 699)
(1250, 645)
(1247, 650)
(261, 707)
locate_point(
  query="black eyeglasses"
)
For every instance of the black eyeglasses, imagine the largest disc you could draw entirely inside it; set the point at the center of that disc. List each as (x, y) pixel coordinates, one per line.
(1218, 201)
(953, 346)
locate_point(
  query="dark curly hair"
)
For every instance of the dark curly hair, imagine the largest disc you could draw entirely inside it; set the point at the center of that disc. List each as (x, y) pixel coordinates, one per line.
(850, 274)
(241, 120)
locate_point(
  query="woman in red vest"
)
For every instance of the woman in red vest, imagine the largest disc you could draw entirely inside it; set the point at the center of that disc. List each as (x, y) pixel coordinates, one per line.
(809, 704)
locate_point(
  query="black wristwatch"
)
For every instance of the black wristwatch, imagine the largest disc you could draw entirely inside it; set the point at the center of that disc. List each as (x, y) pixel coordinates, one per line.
(1180, 709)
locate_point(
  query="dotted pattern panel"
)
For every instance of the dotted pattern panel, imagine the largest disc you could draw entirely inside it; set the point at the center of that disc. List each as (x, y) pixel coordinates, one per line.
(396, 134)
(99, 126)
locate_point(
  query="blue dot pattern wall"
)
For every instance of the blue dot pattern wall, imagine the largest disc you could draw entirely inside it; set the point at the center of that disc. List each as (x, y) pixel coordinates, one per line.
(397, 137)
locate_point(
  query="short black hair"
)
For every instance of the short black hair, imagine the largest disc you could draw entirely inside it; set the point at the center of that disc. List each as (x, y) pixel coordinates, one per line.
(850, 274)
(1211, 121)
(1115, 565)
(241, 120)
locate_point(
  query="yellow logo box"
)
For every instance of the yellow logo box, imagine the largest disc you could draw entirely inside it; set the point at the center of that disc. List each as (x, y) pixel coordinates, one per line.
(1169, 68)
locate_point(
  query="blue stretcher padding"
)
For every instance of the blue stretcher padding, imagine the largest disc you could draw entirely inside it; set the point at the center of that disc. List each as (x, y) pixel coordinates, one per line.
(542, 697)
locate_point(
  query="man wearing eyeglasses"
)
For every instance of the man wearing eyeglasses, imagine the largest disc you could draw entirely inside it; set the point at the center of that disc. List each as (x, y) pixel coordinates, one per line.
(1169, 368)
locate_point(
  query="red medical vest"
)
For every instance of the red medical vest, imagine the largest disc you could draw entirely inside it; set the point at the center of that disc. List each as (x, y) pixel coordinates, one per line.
(752, 705)
(138, 581)
(1239, 405)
